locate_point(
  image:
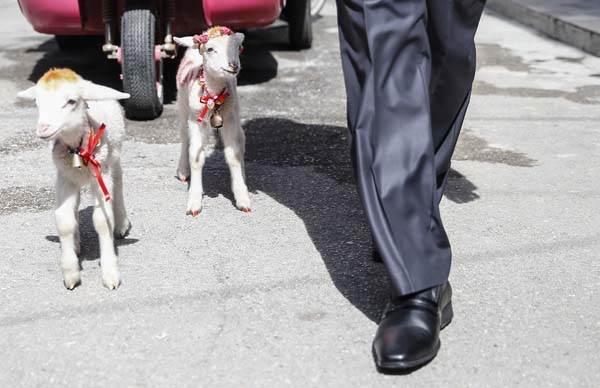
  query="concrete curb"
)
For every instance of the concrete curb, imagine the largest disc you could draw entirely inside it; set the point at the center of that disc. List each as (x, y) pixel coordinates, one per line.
(553, 24)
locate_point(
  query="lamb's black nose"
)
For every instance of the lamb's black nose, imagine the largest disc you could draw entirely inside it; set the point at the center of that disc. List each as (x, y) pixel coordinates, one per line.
(234, 66)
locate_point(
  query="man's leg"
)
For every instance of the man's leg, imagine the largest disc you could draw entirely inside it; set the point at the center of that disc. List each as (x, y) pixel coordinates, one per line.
(397, 135)
(407, 150)
(395, 165)
(452, 27)
(356, 64)
(395, 154)
(416, 257)
(398, 189)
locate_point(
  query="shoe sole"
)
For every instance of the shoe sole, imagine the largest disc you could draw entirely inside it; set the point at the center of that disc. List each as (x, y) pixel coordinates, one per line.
(406, 366)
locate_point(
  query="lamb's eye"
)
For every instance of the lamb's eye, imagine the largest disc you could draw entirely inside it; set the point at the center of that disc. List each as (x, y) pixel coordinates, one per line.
(71, 102)
(210, 50)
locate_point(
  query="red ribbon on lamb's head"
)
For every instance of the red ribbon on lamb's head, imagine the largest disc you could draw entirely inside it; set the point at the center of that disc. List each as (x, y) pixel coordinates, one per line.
(199, 40)
(212, 33)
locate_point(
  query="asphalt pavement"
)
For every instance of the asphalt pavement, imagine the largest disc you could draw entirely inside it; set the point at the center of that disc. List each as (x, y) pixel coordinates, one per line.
(288, 295)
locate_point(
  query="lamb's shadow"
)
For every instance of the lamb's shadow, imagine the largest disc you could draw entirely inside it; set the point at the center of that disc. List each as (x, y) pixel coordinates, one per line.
(329, 208)
(90, 249)
(216, 181)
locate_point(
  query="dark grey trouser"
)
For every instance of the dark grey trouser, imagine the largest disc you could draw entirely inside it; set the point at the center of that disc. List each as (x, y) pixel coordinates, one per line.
(408, 67)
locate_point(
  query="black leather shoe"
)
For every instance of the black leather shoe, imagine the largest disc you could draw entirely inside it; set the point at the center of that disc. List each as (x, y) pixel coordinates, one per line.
(408, 335)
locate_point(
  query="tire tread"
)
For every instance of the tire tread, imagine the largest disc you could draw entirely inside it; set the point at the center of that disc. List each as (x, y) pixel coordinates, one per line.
(139, 67)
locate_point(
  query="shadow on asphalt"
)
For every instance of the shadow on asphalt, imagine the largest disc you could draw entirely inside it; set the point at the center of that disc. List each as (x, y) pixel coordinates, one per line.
(286, 143)
(343, 242)
(90, 248)
(459, 189)
(87, 62)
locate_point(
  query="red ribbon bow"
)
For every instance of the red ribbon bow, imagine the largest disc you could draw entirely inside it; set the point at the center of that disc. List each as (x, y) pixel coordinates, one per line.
(210, 102)
(204, 37)
(89, 158)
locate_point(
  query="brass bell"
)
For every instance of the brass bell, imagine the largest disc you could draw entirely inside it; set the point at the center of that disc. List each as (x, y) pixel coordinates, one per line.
(76, 162)
(216, 120)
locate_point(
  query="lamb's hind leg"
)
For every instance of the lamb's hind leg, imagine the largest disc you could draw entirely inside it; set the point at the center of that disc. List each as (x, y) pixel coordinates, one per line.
(234, 143)
(77, 232)
(122, 224)
(183, 168)
(197, 157)
(104, 222)
(67, 196)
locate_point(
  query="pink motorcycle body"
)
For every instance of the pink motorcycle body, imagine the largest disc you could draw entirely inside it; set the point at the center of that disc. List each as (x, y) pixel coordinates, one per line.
(84, 17)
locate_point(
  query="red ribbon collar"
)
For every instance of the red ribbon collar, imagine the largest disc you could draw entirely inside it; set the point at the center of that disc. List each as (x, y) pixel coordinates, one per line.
(88, 158)
(208, 100)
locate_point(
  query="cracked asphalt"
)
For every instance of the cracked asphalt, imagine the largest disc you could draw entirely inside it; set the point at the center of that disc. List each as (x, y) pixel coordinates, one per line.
(288, 295)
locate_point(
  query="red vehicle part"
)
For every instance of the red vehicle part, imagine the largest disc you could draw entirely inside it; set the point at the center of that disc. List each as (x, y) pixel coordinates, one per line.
(241, 14)
(56, 17)
(77, 17)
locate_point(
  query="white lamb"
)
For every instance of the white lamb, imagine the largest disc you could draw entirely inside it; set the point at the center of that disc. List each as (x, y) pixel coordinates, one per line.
(207, 99)
(71, 113)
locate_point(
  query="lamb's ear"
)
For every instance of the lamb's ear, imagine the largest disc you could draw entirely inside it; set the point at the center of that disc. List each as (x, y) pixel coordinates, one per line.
(186, 41)
(239, 37)
(91, 91)
(28, 94)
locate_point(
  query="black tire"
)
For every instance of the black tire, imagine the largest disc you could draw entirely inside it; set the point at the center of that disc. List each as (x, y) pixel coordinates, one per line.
(300, 24)
(77, 42)
(140, 71)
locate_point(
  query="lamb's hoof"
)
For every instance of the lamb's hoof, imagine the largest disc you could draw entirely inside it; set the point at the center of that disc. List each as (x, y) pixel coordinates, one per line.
(194, 206)
(71, 279)
(242, 201)
(193, 213)
(111, 278)
(183, 170)
(243, 204)
(182, 178)
(123, 231)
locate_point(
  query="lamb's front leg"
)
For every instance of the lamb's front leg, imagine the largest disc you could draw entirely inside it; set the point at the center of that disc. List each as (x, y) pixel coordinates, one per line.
(67, 195)
(234, 143)
(197, 158)
(104, 222)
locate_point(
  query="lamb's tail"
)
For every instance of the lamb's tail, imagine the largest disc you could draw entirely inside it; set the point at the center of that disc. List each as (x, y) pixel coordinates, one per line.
(189, 68)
